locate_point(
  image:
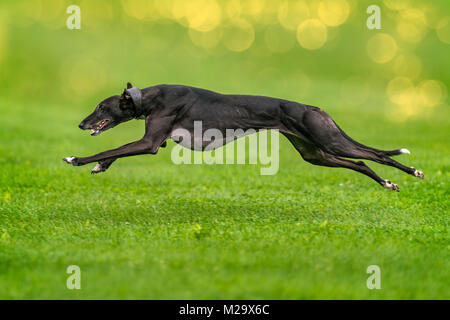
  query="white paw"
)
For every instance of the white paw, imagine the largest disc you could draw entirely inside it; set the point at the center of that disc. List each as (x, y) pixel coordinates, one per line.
(69, 159)
(98, 168)
(391, 186)
(419, 174)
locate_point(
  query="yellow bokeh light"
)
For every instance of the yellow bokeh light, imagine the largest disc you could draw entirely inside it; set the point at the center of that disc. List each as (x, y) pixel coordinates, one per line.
(396, 4)
(333, 12)
(135, 9)
(432, 92)
(207, 39)
(270, 12)
(292, 13)
(431, 12)
(233, 8)
(203, 15)
(278, 39)
(238, 35)
(409, 100)
(408, 66)
(312, 34)
(95, 13)
(381, 48)
(179, 12)
(253, 8)
(405, 111)
(400, 90)
(443, 30)
(161, 9)
(412, 25)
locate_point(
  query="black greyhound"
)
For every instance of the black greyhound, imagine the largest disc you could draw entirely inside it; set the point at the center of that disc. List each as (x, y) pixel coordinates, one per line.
(166, 108)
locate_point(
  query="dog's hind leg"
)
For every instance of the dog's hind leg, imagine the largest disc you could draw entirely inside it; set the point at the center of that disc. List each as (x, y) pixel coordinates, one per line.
(317, 156)
(327, 135)
(382, 159)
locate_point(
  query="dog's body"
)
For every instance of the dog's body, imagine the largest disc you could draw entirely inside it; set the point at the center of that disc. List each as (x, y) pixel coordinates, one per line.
(167, 108)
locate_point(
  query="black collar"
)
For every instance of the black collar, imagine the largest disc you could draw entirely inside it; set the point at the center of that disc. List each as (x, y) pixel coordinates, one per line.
(136, 96)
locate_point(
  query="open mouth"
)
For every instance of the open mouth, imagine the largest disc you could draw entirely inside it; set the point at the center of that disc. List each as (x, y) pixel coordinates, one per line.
(98, 127)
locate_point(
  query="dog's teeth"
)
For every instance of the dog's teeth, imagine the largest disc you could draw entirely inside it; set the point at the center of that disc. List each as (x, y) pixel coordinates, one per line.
(92, 131)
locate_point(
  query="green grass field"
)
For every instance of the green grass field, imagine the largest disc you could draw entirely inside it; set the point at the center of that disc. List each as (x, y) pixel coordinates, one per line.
(150, 229)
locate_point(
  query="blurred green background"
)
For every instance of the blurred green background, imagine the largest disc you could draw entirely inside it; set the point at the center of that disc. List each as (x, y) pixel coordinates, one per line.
(293, 49)
(150, 229)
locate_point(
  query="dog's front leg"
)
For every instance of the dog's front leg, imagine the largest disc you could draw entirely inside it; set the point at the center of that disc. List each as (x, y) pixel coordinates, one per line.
(156, 133)
(103, 165)
(143, 146)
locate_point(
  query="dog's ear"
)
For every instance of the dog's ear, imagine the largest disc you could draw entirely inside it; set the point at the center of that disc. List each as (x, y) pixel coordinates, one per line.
(129, 85)
(125, 100)
(125, 95)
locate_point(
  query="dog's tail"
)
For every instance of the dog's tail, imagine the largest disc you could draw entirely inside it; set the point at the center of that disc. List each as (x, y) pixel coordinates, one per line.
(389, 153)
(397, 152)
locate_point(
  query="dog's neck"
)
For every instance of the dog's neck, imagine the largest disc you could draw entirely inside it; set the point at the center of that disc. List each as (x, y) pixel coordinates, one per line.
(136, 96)
(148, 97)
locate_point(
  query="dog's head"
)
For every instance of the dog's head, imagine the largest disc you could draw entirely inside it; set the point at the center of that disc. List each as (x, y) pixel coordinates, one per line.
(110, 112)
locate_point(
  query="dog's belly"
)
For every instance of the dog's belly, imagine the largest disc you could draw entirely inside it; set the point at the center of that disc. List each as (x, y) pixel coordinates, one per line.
(210, 124)
(209, 139)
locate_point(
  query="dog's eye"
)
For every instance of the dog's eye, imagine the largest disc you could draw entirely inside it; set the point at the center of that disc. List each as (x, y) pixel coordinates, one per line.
(101, 107)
